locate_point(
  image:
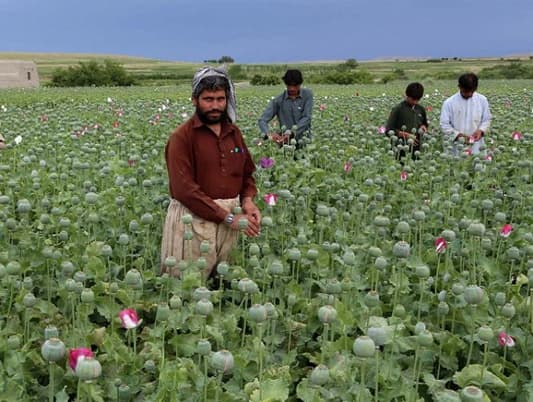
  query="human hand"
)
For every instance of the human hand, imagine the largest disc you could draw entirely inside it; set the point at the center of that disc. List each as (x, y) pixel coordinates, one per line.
(478, 134)
(251, 210)
(247, 224)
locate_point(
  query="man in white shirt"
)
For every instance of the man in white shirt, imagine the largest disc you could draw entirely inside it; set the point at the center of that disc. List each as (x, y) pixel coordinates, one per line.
(466, 114)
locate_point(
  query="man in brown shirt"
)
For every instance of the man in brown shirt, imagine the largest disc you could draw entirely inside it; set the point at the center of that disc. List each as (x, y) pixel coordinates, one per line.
(210, 173)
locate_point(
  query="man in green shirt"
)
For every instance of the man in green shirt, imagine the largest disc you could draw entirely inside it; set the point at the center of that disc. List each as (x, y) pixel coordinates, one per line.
(408, 120)
(293, 109)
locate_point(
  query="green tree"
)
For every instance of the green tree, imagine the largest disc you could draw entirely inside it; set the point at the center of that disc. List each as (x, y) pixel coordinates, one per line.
(91, 73)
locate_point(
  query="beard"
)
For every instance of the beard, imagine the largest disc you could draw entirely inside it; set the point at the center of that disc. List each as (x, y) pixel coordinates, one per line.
(208, 119)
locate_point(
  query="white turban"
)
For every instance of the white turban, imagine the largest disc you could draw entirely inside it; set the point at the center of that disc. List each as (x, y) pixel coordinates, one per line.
(217, 72)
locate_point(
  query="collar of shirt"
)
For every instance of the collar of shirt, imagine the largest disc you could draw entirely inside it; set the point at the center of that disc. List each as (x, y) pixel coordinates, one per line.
(286, 95)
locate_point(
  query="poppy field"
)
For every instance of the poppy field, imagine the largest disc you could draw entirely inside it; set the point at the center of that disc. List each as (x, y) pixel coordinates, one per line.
(370, 281)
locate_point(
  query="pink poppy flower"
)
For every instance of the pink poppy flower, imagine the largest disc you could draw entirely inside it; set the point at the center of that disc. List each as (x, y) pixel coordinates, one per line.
(266, 163)
(116, 124)
(129, 319)
(517, 135)
(488, 157)
(322, 107)
(271, 199)
(381, 129)
(77, 354)
(505, 340)
(468, 152)
(429, 108)
(506, 230)
(347, 167)
(403, 175)
(440, 245)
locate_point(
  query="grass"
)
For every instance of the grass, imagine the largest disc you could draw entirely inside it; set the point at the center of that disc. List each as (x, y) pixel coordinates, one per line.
(159, 72)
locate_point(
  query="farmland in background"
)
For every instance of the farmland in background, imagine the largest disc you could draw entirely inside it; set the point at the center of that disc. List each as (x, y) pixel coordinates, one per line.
(158, 72)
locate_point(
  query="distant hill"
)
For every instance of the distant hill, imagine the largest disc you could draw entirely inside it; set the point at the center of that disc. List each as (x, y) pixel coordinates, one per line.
(159, 72)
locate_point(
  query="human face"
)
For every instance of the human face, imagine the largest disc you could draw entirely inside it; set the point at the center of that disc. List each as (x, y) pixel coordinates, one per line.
(211, 106)
(466, 93)
(293, 90)
(411, 101)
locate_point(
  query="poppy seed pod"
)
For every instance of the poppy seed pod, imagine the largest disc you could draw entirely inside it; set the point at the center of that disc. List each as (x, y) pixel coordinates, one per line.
(319, 375)
(203, 307)
(257, 313)
(91, 198)
(401, 249)
(23, 206)
(471, 393)
(246, 285)
(29, 300)
(243, 223)
(175, 302)
(271, 310)
(222, 361)
(327, 314)
(254, 249)
(364, 347)
(201, 293)
(485, 333)
(476, 229)
(170, 262)
(381, 263)
(204, 247)
(51, 331)
(223, 268)
(87, 296)
(378, 335)
(443, 308)
(133, 279)
(424, 338)
(203, 347)
(473, 294)
(371, 299)
(53, 350)
(294, 254)
(88, 369)
(508, 310)
(147, 219)
(422, 271)
(312, 254)
(150, 366)
(267, 221)
(163, 312)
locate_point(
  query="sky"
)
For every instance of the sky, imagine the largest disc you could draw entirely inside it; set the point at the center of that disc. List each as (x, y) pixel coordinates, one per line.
(269, 31)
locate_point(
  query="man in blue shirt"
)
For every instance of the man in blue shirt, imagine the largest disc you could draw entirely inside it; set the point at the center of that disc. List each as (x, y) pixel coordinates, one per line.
(293, 109)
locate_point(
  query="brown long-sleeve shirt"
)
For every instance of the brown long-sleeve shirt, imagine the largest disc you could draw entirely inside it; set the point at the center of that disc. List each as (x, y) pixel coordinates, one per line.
(203, 166)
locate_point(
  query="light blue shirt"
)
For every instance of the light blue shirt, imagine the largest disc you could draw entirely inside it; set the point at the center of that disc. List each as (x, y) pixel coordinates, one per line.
(460, 115)
(292, 114)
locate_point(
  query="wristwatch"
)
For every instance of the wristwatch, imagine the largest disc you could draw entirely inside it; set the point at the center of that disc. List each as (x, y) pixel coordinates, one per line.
(228, 220)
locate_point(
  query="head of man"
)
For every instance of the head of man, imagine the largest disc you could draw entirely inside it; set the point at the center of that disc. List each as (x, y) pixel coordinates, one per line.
(413, 93)
(210, 97)
(468, 85)
(293, 79)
